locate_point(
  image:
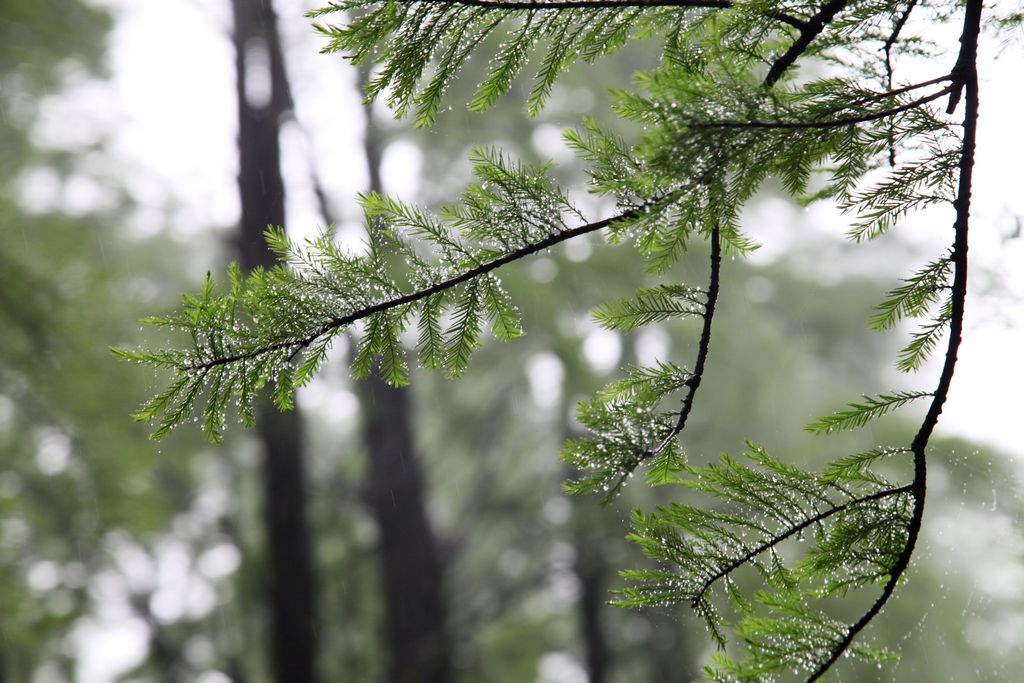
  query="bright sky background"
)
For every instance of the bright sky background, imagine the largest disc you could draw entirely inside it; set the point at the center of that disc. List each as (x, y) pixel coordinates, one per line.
(170, 111)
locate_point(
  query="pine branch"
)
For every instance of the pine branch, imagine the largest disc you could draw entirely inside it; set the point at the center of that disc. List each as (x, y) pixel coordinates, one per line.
(716, 129)
(646, 385)
(893, 92)
(789, 532)
(249, 337)
(411, 297)
(613, 460)
(519, 5)
(761, 506)
(651, 305)
(887, 47)
(924, 341)
(855, 466)
(968, 76)
(859, 414)
(835, 123)
(703, 345)
(531, 5)
(414, 35)
(911, 186)
(913, 298)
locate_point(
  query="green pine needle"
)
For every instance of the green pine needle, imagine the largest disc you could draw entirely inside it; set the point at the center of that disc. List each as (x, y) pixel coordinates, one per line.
(859, 414)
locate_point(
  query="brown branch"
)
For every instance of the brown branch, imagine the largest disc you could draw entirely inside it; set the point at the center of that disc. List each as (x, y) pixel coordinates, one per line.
(890, 42)
(530, 5)
(693, 381)
(874, 97)
(893, 37)
(808, 32)
(794, 529)
(834, 123)
(412, 297)
(967, 75)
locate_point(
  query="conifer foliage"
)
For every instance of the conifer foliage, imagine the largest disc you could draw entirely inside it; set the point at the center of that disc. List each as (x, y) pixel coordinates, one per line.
(726, 111)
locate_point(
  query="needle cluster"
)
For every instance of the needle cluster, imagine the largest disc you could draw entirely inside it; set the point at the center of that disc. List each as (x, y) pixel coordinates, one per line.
(726, 113)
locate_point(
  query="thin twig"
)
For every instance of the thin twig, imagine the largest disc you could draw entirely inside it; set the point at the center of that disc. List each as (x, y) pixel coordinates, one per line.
(704, 346)
(890, 42)
(902, 90)
(693, 381)
(531, 5)
(834, 123)
(887, 49)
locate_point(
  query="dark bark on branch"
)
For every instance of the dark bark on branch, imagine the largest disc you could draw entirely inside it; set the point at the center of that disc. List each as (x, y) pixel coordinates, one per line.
(808, 32)
(531, 5)
(890, 43)
(891, 92)
(290, 579)
(704, 346)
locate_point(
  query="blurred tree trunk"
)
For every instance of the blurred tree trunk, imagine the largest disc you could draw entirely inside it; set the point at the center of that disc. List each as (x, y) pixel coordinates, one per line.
(590, 570)
(590, 566)
(411, 569)
(262, 101)
(667, 647)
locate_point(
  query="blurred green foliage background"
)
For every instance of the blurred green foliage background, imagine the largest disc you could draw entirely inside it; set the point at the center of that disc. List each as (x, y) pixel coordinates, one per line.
(124, 559)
